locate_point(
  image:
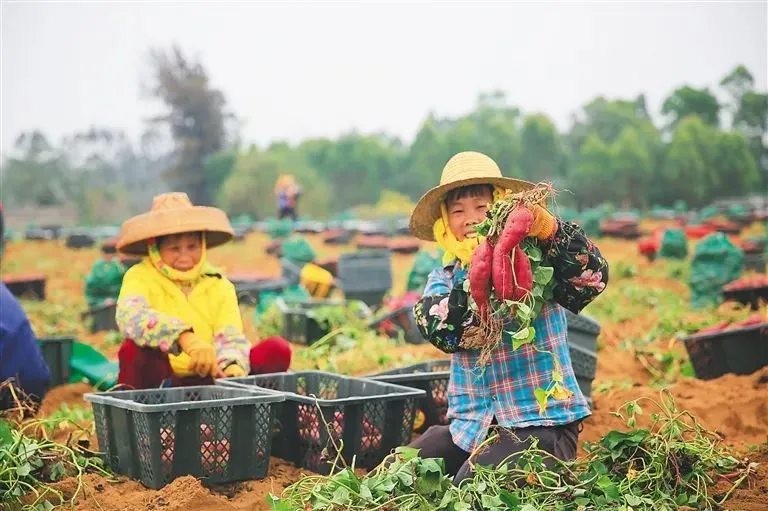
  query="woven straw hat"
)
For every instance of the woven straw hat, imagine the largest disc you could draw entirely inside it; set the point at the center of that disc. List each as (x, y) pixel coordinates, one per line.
(173, 213)
(464, 169)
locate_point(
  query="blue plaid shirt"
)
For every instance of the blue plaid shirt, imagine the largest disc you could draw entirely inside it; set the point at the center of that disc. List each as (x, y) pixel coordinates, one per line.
(505, 388)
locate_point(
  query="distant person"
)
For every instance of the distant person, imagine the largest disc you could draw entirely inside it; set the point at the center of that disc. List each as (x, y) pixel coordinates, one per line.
(102, 286)
(179, 314)
(20, 356)
(287, 192)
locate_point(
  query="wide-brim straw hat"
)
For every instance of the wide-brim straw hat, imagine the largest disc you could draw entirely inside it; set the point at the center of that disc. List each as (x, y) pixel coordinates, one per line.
(173, 213)
(463, 169)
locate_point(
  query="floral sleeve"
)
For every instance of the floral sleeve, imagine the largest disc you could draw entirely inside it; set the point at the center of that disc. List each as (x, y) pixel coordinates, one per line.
(232, 347)
(581, 272)
(443, 312)
(147, 327)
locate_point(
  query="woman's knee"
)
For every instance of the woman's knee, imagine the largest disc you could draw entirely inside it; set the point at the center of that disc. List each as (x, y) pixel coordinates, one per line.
(272, 355)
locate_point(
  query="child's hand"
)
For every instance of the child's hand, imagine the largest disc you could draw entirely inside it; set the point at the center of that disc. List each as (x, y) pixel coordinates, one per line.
(234, 371)
(202, 354)
(544, 223)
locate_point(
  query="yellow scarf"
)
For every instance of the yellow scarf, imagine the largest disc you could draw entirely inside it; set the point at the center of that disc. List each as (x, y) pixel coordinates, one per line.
(182, 278)
(455, 249)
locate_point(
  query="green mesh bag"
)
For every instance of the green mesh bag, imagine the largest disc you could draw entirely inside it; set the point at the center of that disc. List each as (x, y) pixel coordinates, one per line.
(298, 250)
(716, 262)
(424, 263)
(674, 244)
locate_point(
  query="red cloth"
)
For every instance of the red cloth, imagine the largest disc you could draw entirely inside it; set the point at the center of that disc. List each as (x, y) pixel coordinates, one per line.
(147, 368)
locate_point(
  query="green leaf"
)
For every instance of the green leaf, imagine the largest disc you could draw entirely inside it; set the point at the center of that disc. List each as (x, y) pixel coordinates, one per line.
(509, 498)
(365, 492)
(534, 253)
(436, 465)
(529, 507)
(522, 307)
(521, 334)
(24, 470)
(541, 397)
(633, 500)
(407, 453)
(543, 275)
(461, 506)
(681, 499)
(491, 502)
(6, 437)
(406, 478)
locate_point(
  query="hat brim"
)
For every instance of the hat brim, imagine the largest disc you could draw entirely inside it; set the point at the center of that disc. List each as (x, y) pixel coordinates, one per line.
(136, 231)
(427, 210)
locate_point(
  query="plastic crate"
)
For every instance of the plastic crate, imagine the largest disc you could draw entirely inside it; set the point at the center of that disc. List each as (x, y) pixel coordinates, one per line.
(366, 275)
(291, 271)
(401, 319)
(220, 434)
(252, 292)
(102, 318)
(80, 241)
(582, 330)
(431, 377)
(298, 324)
(371, 417)
(738, 351)
(749, 296)
(584, 364)
(57, 352)
(26, 286)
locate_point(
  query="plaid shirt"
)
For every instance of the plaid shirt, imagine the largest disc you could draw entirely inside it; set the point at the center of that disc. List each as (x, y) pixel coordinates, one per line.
(505, 388)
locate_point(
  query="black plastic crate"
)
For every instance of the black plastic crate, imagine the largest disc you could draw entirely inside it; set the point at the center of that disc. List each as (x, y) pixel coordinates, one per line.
(750, 296)
(222, 433)
(291, 271)
(755, 262)
(431, 377)
(102, 318)
(80, 240)
(298, 324)
(26, 286)
(250, 292)
(370, 417)
(582, 330)
(57, 351)
(401, 319)
(584, 364)
(738, 351)
(366, 275)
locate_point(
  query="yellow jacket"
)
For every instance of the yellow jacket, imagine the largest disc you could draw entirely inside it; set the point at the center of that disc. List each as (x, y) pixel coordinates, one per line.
(153, 311)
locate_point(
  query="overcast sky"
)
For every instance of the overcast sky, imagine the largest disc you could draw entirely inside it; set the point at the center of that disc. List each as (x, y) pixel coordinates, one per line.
(293, 71)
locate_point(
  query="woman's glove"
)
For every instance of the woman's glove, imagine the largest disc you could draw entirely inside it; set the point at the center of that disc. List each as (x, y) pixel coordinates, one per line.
(202, 354)
(544, 223)
(234, 371)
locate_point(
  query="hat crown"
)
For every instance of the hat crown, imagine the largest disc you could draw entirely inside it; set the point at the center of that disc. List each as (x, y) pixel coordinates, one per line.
(468, 165)
(171, 200)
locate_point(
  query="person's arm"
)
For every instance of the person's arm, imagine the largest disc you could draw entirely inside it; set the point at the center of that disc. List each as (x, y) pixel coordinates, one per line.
(141, 323)
(443, 311)
(232, 347)
(581, 272)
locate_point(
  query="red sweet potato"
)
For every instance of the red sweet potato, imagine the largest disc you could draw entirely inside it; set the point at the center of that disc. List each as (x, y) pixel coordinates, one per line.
(504, 275)
(515, 229)
(523, 274)
(480, 277)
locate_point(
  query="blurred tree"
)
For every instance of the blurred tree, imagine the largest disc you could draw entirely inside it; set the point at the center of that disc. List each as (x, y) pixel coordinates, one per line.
(689, 171)
(631, 169)
(35, 173)
(542, 156)
(686, 101)
(195, 116)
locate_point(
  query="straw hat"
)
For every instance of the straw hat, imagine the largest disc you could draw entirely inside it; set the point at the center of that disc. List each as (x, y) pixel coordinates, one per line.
(463, 169)
(173, 213)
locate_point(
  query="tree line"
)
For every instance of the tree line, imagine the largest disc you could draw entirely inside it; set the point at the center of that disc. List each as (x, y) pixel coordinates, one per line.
(695, 150)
